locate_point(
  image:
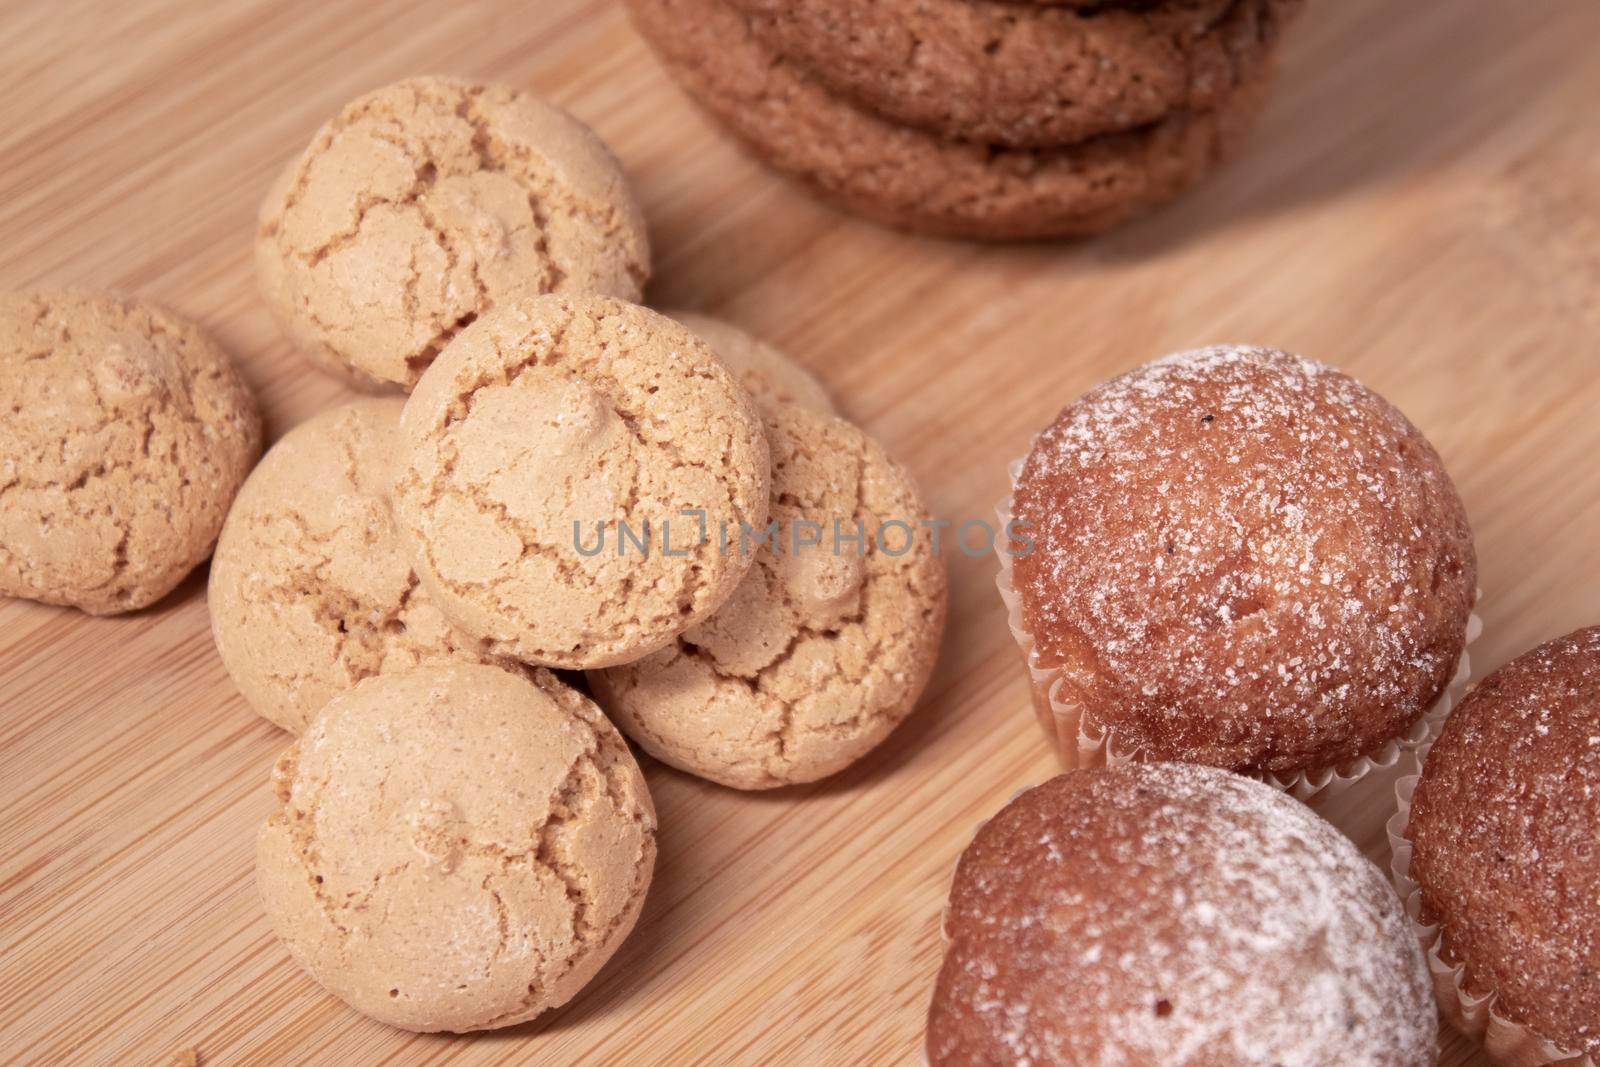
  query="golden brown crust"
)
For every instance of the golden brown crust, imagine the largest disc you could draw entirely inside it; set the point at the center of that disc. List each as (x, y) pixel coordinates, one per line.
(975, 70)
(908, 178)
(124, 434)
(1170, 915)
(1246, 559)
(1505, 829)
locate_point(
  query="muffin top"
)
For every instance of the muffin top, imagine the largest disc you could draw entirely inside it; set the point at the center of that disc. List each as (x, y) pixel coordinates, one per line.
(125, 433)
(1243, 558)
(1505, 828)
(1175, 915)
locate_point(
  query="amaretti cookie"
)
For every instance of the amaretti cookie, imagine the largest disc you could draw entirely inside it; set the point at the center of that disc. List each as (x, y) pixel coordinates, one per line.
(827, 643)
(1167, 915)
(770, 376)
(1239, 557)
(126, 433)
(909, 178)
(425, 203)
(985, 71)
(311, 588)
(575, 469)
(456, 847)
(1504, 857)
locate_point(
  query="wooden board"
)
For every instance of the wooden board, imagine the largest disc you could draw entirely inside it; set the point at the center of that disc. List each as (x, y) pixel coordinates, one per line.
(1421, 206)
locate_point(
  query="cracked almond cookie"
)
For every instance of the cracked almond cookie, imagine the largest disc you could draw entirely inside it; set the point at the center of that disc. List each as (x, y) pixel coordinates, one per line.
(572, 467)
(914, 180)
(456, 847)
(824, 649)
(425, 203)
(976, 70)
(126, 432)
(770, 376)
(311, 589)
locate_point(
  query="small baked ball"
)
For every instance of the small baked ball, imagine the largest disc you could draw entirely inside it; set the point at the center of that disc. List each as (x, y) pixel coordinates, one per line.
(1243, 558)
(124, 433)
(1169, 915)
(769, 375)
(425, 203)
(1505, 832)
(311, 589)
(824, 648)
(456, 847)
(545, 428)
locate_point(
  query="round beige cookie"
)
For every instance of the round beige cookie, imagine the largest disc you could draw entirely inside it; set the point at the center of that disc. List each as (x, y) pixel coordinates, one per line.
(423, 204)
(571, 463)
(311, 589)
(770, 376)
(823, 650)
(456, 847)
(124, 433)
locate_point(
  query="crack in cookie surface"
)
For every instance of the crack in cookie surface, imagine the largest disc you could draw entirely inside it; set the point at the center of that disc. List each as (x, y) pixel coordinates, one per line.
(557, 415)
(425, 203)
(457, 847)
(127, 433)
(818, 655)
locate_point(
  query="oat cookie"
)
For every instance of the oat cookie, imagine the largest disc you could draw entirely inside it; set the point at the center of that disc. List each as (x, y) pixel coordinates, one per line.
(311, 589)
(821, 652)
(911, 179)
(456, 847)
(987, 72)
(769, 375)
(125, 433)
(545, 425)
(423, 204)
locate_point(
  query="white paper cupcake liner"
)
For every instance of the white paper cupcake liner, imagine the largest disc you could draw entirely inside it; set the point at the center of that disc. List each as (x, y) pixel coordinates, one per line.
(1081, 742)
(1508, 1044)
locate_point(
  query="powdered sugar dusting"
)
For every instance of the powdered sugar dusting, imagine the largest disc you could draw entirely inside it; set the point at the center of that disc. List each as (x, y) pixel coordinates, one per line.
(1176, 915)
(1245, 558)
(1505, 829)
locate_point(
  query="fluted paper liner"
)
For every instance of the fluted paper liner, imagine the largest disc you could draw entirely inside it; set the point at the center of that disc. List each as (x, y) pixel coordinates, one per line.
(1081, 742)
(1508, 1044)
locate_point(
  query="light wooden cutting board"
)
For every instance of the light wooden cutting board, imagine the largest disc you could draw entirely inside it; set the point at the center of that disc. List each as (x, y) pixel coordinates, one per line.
(1421, 206)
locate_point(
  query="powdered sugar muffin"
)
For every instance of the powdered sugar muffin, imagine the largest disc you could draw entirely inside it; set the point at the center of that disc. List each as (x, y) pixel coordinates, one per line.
(1242, 558)
(1504, 839)
(1169, 915)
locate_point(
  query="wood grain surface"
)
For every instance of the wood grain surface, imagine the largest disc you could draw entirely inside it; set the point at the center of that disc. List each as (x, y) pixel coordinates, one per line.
(1421, 206)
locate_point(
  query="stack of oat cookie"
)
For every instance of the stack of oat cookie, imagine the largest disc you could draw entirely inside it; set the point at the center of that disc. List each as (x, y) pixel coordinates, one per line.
(991, 119)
